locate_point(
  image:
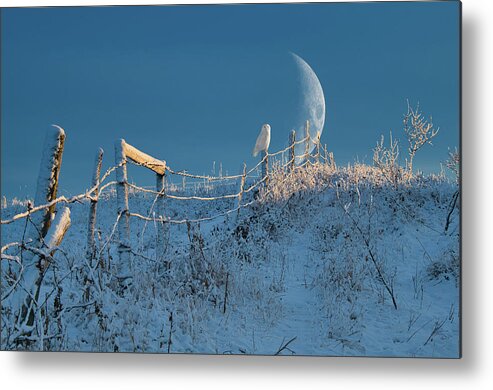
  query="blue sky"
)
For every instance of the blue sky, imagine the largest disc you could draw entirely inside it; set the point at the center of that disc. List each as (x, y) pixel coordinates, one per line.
(193, 84)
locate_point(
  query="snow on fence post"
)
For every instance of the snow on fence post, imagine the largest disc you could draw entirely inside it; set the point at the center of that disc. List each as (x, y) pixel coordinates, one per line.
(292, 155)
(307, 140)
(143, 159)
(161, 229)
(91, 249)
(47, 184)
(122, 204)
(242, 189)
(57, 231)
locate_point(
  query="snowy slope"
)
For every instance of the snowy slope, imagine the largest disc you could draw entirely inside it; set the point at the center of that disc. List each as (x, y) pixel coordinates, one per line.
(302, 271)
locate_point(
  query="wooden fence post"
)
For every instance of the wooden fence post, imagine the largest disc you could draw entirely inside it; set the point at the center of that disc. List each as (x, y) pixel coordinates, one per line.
(242, 188)
(122, 203)
(265, 166)
(307, 140)
(161, 228)
(91, 248)
(292, 155)
(47, 185)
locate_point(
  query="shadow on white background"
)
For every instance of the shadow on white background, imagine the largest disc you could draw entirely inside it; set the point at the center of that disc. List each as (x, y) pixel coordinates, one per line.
(382, 369)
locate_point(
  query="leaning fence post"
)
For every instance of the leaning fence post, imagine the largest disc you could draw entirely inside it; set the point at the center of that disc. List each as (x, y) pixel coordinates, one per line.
(33, 280)
(292, 143)
(161, 228)
(91, 249)
(122, 203)
(47, 185)
(307, 140)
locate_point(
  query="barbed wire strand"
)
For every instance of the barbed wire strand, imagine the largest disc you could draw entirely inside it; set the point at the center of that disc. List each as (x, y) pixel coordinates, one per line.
(61, 199)
(88, 194)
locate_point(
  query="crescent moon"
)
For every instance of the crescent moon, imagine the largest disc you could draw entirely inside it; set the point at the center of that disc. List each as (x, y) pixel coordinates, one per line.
(312, 107)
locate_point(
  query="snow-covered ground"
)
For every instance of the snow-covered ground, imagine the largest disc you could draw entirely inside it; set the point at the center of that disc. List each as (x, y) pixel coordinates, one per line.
(312, 268)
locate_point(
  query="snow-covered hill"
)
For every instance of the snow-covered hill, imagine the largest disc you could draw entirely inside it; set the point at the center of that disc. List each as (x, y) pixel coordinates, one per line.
(329, 262)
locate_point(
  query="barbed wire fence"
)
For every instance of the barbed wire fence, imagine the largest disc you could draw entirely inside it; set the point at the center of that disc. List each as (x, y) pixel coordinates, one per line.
(44, 236)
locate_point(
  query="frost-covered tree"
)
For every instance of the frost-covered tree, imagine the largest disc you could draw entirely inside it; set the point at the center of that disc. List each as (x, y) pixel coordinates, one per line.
(419, 131)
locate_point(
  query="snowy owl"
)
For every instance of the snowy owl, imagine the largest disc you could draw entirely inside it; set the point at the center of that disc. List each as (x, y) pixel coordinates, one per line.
(263, 140)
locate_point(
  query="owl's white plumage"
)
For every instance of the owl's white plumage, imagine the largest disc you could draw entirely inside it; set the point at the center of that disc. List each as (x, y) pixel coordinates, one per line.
(263, 140)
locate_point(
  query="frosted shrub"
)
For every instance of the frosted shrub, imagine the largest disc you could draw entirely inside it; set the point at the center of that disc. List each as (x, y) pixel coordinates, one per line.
(453, 163)
(387, 160)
